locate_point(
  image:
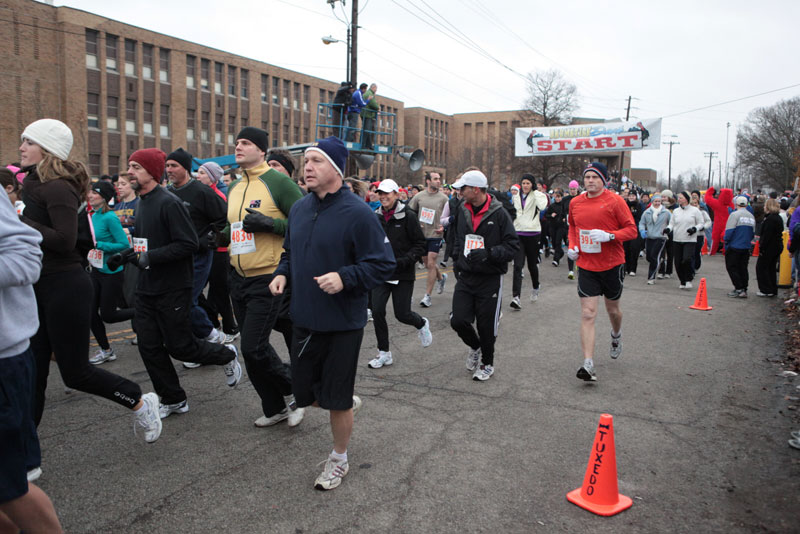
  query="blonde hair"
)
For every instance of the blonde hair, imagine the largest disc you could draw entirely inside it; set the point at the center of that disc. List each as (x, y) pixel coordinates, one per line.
(52, 168)
(358, 187)
(772, 206)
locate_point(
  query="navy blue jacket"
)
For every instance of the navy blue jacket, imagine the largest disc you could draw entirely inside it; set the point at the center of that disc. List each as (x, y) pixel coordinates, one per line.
(338, 233)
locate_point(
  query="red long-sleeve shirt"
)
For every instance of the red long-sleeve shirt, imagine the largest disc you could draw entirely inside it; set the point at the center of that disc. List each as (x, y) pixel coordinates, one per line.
(609, 212)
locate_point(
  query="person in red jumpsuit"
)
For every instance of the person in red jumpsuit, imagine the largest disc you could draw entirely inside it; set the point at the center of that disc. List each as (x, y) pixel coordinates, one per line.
(720, 206)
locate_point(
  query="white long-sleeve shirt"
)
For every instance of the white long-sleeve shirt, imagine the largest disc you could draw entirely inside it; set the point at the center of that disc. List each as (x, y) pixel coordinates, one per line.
(684, 218)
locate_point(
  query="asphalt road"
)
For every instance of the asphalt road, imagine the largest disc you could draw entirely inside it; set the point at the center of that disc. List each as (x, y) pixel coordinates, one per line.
(700, 418)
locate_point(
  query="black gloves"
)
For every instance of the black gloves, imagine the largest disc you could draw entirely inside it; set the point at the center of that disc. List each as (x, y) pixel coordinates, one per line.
(478, 255)
(119, 259)
(208, 241)
(667, 231)
(691, 231)
(257, 222)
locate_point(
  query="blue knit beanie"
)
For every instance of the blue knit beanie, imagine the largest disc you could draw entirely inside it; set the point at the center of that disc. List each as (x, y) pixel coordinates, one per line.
(334, 151)
(599, 168)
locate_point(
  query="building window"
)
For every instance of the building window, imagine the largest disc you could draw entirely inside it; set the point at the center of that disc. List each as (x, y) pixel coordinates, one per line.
(94, 164)
(330, 109)
(112, 113)
(231, 128)
(296, 99)
(218, 68)
(286, 88)
(285, 135)
(231, 80)
(130, 58)
(306, 96)
(147, 124)
(191, 116)
(130, 115)
(264, 88)
(111, 52)
(204, 66)
(147, 62)
(275, 131)
(164, 129)
(190, 71)
(91, 49)
(245, 76)
(93, 110)
(113, 164)
(296, 134)
(204, 120)
(218, 128)
(163, 65)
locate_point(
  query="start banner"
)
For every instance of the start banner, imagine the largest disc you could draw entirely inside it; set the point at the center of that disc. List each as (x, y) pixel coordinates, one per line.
(588, 138)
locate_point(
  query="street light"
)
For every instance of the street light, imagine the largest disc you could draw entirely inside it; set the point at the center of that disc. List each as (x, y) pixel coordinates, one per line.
(329, 40)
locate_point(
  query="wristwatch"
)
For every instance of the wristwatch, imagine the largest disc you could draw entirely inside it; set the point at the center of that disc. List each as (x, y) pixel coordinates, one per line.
(613, 237)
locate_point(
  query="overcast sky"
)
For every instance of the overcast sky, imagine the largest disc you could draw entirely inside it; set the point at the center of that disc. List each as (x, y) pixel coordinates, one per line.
(670, 56)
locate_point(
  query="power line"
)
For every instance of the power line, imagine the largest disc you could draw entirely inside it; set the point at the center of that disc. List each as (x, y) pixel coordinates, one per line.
(734, 100)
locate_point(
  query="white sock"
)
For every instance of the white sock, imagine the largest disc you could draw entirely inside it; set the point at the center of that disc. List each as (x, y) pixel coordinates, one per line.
(616, 335)
(588, 363)
(141, 409)
(340, 457)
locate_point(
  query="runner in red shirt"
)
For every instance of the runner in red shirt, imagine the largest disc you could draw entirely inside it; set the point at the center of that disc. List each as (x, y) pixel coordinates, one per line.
(599, 221)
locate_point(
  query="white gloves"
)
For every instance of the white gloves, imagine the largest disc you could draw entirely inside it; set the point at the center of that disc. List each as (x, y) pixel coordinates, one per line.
(572, 253)
(600, 236)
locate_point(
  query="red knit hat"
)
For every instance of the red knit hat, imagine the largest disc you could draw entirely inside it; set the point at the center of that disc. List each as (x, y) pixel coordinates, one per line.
(152, 160)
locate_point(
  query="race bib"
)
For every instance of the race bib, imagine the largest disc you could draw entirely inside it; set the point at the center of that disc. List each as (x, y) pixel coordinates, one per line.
(472, 242)
(587, 245)
(241, 242)
(95, 258)
(140, 244)
(426, 215)
(19, 206)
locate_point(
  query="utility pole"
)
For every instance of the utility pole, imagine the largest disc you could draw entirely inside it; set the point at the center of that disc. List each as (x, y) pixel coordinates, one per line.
(710, 156)
(622, 153)
(727, 133)
(720, 173)
(354, 43)
(669, 172)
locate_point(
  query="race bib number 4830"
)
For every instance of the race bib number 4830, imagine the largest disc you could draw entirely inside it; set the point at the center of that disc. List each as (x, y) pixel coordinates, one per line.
(241, 242)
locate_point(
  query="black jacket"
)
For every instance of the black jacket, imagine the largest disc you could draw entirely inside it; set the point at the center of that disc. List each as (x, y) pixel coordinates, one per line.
(498, 234)
(206, 208)
(164, 221)
(771, 239)
(560, 210)
(407, 240)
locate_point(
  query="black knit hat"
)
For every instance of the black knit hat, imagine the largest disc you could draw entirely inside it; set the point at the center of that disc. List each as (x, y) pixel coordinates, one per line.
(283, 160)
(686, 195)
(104, 189)
(183, 158)
(257, 136)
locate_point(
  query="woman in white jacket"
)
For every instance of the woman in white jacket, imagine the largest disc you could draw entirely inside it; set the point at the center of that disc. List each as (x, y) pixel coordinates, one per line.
(529, 203)
(701, 235)
(685, 224)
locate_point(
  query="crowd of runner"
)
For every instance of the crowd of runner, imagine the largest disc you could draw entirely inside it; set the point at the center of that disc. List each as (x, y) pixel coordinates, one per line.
(200, 259)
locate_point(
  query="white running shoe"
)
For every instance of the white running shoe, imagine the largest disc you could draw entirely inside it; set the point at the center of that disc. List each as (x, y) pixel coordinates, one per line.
(688, 285)
(632, 273)
(534, 295)
(483, 373)
(165, 410)
(295, 414)
(660, 276)
(192, 365)
(424, 333)
(651, 282)
(473, 359)
(102, 356)
(440, 284)
(586, 372)
(384, 358)
(265, 421)
(369, 314)
(356, 404)
(148, 419)
(681, 286)
(426, 301)
(616, 346)
(230, 338)
(233, 369)
(215, 336)
(332, 475)
(515, 304)
(571, 275)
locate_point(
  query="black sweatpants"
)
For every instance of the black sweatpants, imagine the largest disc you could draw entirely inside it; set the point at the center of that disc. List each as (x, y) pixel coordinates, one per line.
(529, 250)
(698, 252)
(218, 301)
(256, 311)
(736, 261)
(632, 249)
(767, 272)
(107, 296)
(64, 302)
(654, 251)
(683, 254)
(666, 265)
(478, 298)
(557, 234)
(401, 301)
(164, 329)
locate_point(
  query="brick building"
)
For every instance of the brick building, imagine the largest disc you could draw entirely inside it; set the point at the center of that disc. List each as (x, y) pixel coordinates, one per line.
(121, 88)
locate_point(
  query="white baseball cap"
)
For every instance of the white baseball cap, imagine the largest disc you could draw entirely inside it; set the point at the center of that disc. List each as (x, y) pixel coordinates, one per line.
(473, 179)
(388, 186)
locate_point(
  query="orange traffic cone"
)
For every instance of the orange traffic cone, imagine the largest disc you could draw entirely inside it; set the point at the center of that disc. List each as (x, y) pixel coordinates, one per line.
(701, 300)
(704, 250)
(599, 493)
(755, 249)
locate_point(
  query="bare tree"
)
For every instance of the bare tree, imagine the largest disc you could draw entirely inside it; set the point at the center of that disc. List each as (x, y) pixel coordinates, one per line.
(551, 100)
(768, 144)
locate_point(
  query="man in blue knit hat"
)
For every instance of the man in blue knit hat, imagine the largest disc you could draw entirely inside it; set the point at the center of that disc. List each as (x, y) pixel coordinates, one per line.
(335, 252)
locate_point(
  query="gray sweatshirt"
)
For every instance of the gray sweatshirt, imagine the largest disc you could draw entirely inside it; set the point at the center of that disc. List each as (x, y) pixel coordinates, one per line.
(20, 264)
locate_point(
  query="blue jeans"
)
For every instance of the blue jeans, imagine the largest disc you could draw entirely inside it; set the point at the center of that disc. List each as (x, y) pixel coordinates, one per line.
(201, 324)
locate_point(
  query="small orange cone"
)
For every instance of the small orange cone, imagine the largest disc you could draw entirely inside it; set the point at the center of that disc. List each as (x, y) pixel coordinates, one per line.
(704, 250)
(701, 300)
(755, 249)
(599, 493)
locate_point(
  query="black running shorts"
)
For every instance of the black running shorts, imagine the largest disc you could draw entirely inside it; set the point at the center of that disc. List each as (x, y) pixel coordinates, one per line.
(324, 367)
(596, 283)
